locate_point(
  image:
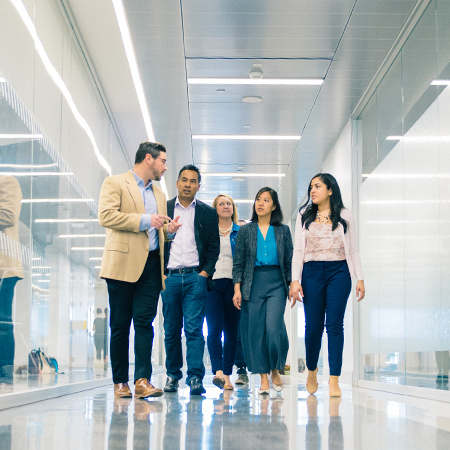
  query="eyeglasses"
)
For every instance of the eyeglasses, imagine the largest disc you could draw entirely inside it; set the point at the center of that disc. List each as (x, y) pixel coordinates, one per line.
(164, 161)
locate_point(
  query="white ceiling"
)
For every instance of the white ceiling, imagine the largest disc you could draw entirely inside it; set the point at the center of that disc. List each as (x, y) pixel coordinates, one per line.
(342, 41)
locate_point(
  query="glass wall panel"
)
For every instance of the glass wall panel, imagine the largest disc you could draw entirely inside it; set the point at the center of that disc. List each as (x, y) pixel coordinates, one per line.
(56, 147)
(405, 211)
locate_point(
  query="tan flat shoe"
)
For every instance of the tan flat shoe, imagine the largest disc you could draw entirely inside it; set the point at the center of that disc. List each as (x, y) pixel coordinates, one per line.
(311, 383)
(335, 391)
(228, 387)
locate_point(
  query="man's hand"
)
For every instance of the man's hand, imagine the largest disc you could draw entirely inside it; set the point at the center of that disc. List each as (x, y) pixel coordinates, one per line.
(237, 299)
(203, 274)
(158, 220)
(173, 225)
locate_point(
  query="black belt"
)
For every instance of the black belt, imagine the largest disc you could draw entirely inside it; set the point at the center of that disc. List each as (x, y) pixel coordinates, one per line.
(153, 253)
(182, 270)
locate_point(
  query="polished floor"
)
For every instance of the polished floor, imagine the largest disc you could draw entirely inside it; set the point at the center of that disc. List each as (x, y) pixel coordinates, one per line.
(228, 420)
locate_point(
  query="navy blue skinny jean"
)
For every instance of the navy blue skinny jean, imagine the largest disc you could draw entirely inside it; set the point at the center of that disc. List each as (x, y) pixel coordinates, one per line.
(222, 316)
(326, 288)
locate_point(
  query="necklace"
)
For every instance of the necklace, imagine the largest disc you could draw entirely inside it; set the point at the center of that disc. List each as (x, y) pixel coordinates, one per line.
(325, 219)
(225, 231)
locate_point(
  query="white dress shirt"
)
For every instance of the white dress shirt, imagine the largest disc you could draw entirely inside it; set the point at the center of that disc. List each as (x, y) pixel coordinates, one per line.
(183, 251)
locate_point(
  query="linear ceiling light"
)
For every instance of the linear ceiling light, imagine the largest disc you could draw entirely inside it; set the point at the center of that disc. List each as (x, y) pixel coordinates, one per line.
(259, 81)
(244, 137)
(28, 166)
(41, 267)
(96, 258)
(132, 62)
(64, 220)
(240, 174)
(21, 136)
(58, 80)
(33, 174)
(2, 80)
(87, 248)
(70, 236)
(422, 139)
(58, 200)
(440, 83)
(210, 200)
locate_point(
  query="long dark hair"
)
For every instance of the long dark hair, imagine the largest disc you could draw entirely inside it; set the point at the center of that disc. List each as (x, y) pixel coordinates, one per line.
(277, 215)
(336, 205)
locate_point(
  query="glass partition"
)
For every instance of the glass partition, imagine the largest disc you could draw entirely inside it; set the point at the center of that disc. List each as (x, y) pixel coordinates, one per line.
(404, 213)
(56, 147)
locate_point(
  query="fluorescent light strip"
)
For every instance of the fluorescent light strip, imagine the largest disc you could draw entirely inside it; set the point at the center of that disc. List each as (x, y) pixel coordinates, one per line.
(58, 80)
(98, 267)
(65, 220)
(37, 274)
(43, 281)
(28, 166)
(240, 174)
(210, 200)
(259, 81)
(69, 236)
(132, 62)
(58, 200)
(33, 174)
(87, 248)
(21, 136)
(41, 267)
(99, 258)
(420, 139)
(396, 176)
(440, 83)
(2, 80)
(404, 202)
(244, 137)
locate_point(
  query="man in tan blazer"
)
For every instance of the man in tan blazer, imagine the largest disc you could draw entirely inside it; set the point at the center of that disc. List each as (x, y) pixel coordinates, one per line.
(134, 212)
(10, 269)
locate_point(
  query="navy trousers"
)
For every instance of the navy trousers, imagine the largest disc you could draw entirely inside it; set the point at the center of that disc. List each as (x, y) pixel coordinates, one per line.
(326, 288)
(222, 316)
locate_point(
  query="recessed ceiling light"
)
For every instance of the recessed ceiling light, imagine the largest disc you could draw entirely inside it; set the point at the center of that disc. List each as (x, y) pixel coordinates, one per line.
(237, 179)
(96, 258)
(244, 137)
(440, 82)
(246, 126)
(252, 99)
(240, 174)
(259, 81)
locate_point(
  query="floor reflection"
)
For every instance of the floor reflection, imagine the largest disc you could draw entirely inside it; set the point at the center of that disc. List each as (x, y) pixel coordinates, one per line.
(228, 420)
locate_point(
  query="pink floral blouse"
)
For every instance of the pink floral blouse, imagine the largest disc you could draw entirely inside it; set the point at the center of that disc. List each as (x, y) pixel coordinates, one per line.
(323, 243)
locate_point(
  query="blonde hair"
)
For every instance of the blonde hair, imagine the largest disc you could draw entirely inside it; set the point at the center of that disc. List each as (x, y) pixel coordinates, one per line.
(234, 217)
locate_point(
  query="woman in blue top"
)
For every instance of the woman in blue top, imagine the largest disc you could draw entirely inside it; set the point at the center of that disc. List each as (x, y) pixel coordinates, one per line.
(261, 277)
(221, 314)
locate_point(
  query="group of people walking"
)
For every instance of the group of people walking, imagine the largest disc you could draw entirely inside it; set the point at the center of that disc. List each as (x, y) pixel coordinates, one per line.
(239, 277)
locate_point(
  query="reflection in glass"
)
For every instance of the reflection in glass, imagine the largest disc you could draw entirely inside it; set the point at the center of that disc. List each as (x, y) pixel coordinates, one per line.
(10, 270)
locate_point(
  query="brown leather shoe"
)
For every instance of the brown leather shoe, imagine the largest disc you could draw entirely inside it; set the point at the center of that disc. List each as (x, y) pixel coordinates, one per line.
(122, 390)
(143, 389)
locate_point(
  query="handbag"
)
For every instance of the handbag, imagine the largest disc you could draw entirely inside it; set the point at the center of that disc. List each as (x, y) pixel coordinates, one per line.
(38, 362)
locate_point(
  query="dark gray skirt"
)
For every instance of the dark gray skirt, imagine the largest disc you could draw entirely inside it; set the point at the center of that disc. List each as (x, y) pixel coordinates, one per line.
(263, 331)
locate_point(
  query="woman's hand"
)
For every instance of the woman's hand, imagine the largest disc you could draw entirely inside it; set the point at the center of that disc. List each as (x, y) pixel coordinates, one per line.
(295, 293)
(237, 297)
(360, 290)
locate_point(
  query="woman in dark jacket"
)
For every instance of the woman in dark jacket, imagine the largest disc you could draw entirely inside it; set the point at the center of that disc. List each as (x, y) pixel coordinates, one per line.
(221, 314)
(261, 277)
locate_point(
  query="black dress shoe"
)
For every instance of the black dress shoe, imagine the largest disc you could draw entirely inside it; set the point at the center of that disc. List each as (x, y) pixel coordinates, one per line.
(197, 387)
(171, 385)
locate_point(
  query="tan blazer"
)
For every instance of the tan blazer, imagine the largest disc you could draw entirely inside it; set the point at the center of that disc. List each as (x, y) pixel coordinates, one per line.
(10, 206)
(126, 249)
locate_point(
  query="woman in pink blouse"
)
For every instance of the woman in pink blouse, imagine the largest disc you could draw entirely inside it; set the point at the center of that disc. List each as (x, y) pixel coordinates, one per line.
(325, 258)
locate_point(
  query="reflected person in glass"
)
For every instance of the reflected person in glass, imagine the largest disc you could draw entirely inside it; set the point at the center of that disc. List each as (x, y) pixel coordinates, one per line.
(261, 277)
(10, 270)
(221, 314)
(325, 257)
